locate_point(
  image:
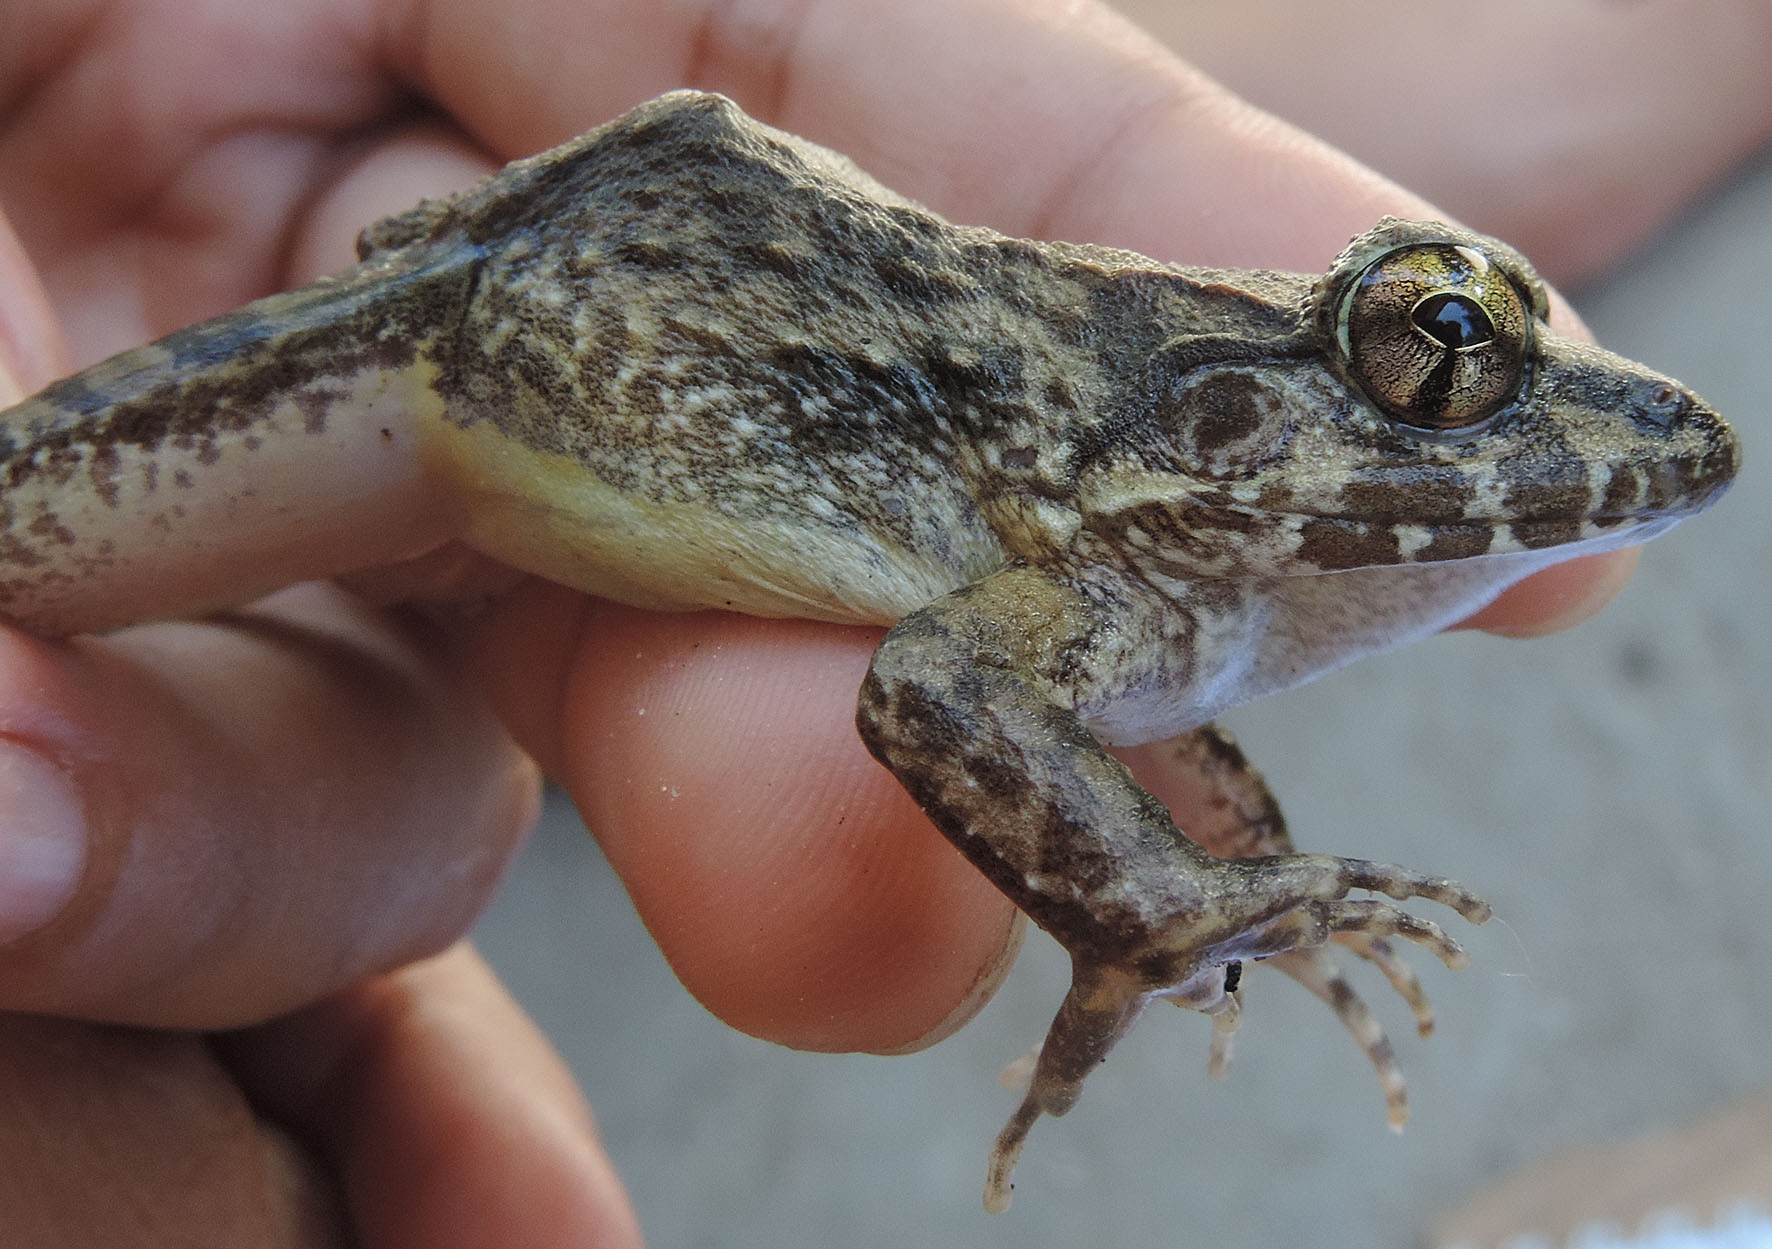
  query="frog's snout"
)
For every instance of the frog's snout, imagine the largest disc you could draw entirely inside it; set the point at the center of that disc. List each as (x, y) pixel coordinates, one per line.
(1702, 457)
(1693, 483)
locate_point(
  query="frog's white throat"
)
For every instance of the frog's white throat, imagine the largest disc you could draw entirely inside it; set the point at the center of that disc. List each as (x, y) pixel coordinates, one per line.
(1282, 632)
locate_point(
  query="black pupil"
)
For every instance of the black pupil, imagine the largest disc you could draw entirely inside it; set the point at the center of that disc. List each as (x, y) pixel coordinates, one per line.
(1453, 321)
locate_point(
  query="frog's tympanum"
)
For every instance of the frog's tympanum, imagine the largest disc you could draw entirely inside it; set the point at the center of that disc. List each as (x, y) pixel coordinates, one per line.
(689, 361)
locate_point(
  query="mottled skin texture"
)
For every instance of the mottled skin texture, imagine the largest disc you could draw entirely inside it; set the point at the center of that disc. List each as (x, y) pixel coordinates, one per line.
(689, 361)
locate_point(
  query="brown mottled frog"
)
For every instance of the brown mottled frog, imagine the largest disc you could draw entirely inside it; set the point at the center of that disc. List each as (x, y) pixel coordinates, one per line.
(689, 361)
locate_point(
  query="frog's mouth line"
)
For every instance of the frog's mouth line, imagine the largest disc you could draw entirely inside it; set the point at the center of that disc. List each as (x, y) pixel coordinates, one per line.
(1629, 494)
(1466, 526)
(1325, 545)
(1330, 544)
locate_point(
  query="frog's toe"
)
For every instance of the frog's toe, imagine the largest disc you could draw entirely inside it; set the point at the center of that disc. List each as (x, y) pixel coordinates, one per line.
(1313, 923)
(1102, 1004)
(1332, 877)
(1315, 971)
(1382, 955)
(1227, 1017)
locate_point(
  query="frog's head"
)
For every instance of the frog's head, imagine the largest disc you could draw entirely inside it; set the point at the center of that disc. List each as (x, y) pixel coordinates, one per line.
(1424, 411)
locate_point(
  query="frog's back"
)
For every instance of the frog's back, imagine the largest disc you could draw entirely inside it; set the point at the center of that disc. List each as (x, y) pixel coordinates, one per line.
(693, 347)
(734, 370)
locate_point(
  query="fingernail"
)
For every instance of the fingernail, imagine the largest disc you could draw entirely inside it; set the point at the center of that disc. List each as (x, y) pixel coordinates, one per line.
(42, 840)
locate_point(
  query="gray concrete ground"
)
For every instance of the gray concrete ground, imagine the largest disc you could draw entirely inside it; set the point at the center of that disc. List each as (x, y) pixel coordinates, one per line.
(1607, 789)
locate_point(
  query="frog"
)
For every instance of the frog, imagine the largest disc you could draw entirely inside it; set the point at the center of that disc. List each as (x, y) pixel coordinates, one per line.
(691, 361)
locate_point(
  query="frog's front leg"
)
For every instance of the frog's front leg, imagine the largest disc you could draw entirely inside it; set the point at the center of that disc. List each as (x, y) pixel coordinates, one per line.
(976, 704)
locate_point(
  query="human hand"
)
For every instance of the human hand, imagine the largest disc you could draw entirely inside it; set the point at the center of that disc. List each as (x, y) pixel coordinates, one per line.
(420, 1108)
(251, 816)
(281, 803)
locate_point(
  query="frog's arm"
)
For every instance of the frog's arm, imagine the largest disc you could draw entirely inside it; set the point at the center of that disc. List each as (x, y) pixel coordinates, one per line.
(974, 704)
(272, 445)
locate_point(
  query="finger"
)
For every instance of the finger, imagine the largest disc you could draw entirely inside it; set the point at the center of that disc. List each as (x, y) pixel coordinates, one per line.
(794, 887)
(1569, 123)
(1074, 123)
(31, 352)
(226, 820)
(1560, 597)
(158, 169)
(118, 1136)
(446, 1115)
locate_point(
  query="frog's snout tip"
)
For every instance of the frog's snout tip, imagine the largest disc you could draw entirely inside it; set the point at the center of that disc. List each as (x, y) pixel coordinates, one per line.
(1705, 452)
(1718, 474)
(1711, 470)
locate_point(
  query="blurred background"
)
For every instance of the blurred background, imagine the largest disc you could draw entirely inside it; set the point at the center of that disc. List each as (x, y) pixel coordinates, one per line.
(1606, 789)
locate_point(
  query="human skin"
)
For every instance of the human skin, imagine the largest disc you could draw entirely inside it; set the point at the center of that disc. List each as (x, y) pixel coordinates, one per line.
(1572, 128)
(285, 808)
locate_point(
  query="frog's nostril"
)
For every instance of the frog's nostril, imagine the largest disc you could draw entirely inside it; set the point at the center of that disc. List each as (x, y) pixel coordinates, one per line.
(1660, 404)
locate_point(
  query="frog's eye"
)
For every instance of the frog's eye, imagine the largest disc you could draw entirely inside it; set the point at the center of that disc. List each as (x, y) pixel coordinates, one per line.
(1436, 336)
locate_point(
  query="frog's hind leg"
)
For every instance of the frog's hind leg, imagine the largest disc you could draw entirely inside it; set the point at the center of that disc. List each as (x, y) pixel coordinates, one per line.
(1231, 812)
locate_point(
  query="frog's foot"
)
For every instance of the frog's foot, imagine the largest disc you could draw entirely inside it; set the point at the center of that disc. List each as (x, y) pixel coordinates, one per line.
(1102, 1004)
(1282, 908)
(1316, 971)
(1303, 885)
(1361, 927)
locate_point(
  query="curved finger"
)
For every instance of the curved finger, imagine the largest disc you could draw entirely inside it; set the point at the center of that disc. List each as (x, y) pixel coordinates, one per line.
(1314, 970)
(128, 1136)
(446, 1116)
(222, 821)
(1332, 877)
(1395, 968)
(794, 887)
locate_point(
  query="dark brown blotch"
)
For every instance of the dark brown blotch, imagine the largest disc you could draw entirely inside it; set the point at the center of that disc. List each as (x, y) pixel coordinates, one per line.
(650, 255)
(315, 403)
(48, 526)
(1224, 410)
(1336, 545)
(1450, 542)
(1538, 535)
(1415, 494)
(104, 469)
(1623, 491)
(1535, 501)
